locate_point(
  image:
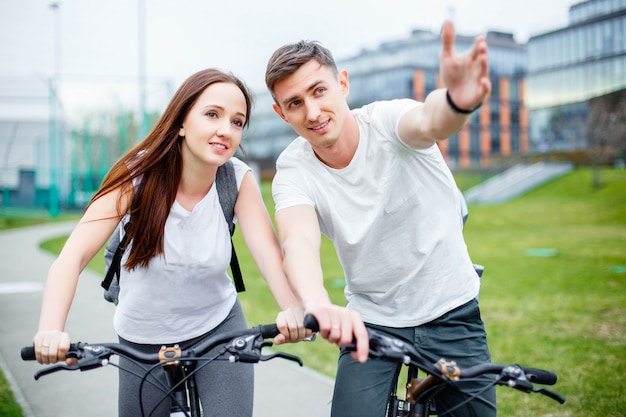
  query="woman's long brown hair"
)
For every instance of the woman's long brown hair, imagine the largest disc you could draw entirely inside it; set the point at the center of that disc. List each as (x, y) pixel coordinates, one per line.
(158, 161)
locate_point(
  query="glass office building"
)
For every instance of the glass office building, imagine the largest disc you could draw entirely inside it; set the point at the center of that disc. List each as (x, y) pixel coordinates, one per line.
(576, 80)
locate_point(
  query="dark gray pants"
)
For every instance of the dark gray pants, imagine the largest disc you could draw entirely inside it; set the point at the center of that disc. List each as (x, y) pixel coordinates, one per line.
(224, 388)
(459, 335)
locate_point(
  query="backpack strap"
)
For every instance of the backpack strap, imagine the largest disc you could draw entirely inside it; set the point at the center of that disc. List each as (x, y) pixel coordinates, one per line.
(114, 268)
(227, 193)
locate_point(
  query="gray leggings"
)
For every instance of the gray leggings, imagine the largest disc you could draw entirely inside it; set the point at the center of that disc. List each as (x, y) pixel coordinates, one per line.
(225, 388)
(459, 335)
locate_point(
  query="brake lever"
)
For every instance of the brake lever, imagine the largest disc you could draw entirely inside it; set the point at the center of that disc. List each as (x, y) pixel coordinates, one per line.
(55, 368)
(386, 348)
(88, 357)
(550, 394)
(527, 387)
(283, 355)
(514, 377)
(395, 350)
(248, 349)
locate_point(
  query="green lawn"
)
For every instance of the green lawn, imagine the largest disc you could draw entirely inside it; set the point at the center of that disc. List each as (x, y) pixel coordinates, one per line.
(565, 312)
(553, 296)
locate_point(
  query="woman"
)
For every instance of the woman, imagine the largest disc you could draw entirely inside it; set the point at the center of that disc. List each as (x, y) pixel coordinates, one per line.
(174, 285)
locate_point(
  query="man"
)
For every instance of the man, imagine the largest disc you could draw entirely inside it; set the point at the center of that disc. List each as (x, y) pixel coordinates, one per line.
(374, 181)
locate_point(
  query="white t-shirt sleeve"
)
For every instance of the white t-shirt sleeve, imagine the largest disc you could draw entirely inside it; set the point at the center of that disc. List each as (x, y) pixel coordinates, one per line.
(386, 116)
(240, 170)
(288, 184)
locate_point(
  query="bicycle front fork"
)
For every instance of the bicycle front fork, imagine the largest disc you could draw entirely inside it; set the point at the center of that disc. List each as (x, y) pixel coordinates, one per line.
(401, 408)
(184, 398)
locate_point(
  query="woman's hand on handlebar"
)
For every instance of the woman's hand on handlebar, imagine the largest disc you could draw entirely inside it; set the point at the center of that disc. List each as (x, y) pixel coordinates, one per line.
(51, 346)
(291, 327)
(342, 326)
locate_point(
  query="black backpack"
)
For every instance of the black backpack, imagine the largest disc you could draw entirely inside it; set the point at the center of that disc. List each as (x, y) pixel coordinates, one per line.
(227, 193)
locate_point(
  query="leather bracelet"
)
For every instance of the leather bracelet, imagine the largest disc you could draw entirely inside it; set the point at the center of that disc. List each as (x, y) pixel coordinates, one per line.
(456, 108)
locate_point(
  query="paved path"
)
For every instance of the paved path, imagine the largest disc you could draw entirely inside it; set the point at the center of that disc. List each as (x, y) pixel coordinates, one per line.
(282, 389)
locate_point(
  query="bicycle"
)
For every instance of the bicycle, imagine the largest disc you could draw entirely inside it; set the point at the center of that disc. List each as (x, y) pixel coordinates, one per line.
(419, 401)
(179, 365)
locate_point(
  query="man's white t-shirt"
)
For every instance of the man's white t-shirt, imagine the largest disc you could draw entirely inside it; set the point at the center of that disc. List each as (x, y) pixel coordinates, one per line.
(185, 292)
(393, 216)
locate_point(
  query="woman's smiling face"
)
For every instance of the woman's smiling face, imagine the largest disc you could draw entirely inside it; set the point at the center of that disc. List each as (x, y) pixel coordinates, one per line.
(213, 128)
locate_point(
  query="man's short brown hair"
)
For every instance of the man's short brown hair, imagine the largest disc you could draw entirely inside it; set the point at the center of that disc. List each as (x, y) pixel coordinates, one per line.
(288, 58)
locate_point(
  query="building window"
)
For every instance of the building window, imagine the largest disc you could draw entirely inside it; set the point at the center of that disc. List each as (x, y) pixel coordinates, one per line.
(475, 143)
(495, 138)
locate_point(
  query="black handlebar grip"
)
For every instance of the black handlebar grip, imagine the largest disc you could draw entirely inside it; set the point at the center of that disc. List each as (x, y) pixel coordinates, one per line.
(540, 376)
(28, 352)
(310, 322)
(268, 331)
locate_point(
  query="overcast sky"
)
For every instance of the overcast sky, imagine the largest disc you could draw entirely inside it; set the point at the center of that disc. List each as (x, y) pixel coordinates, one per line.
(99, 39)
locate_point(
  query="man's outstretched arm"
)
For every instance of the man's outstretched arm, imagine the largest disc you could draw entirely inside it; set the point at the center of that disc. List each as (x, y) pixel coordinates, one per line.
(466, 79)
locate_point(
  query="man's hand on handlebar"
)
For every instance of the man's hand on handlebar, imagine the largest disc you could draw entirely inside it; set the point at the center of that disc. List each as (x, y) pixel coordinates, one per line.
(342, 326)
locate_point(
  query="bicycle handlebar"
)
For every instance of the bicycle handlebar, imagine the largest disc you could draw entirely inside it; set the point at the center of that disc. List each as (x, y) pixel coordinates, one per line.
(243, 346)
(387, 347)
(265, 331)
